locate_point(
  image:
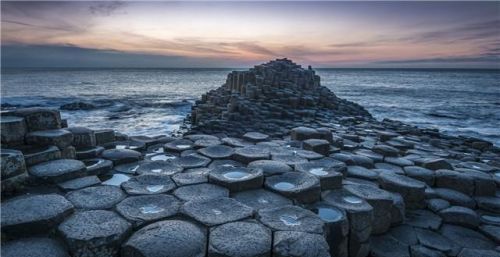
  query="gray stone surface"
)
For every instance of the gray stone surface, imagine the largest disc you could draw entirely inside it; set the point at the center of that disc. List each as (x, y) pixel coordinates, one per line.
(337, 227)
(302, 187)
(12, 163)
(291, 218)
(121, 156)
(179, 145)
(240, 239)
(423, 219)
(98, 166)
(79, 183)
(12, 130)
(37, 118)
(216, 211)
(261, 199)
(455, 197)
(459, 215)
(98, 197)
(299, 244)
(148, 184)
(58, 170)
(419, 173)
(320, 146)
(83, 137)
(158, 167)
(361, 172)
(270, 167)
(190, 178)
(191, 161)
(202, 191)
(145, 209)
(436, 241)
(217, 152)
(94, 233)
(33, 214)
(465, 237)
(489, 203)
(255, 137)
(455, 180)
(410, 189)
(169, 238)
(387, 246)
(58, 137)
(34, 247)
(237, 179)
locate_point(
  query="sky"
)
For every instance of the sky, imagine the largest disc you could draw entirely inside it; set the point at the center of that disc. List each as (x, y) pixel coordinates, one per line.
(242, 34)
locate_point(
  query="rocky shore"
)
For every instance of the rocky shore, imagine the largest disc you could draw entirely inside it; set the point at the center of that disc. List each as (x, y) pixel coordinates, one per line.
(269, 164)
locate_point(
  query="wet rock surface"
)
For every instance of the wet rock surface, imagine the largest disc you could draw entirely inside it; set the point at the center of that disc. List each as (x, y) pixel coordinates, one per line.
(318, 171)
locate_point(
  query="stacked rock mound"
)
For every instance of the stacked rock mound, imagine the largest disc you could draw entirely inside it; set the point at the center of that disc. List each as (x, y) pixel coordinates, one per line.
(363, 188)
(272, 98)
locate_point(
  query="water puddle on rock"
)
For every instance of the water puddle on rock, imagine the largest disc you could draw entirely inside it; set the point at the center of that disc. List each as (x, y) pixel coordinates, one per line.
(116, 180)
(290, 220)
(284, 186)
(162, 157)
(236, 175)
(329, 214)
(150, 209)
(262, 200)
(352, 199)
(154, 188)
(183, 146)
(156, 170)
(318, 171)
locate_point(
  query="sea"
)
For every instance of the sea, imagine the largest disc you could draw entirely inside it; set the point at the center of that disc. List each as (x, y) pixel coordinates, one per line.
(155, 101)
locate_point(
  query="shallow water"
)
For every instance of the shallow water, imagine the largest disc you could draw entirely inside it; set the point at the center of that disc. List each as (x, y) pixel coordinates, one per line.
(155, 101)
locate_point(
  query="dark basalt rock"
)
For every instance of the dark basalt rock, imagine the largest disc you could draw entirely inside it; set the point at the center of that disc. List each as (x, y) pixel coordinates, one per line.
(79, 183)
(468, 238)
(191, 161)
(243, 238)
(12, 163)
(216, 211)
(337, 227)
(58, 137)
(34, 247)
(98, 197)
(361, 172)
(140, 210)
(191, 177)
(237, 179)
(455, 197)
(83, 137)
(320, 146)
(98, 166)
(169, 238)
(289, 159)
(387, 246)
(200, 192)
(410, 189)
(94, 233)
(35, 214)
(255, 137)
(12, 130)
(58, 170)
(455, 180)
(302, 187)
(89, 152)
(159, 168)
(291, 218)
(436, 241)
(296, 243)
(489, 203)
(225, 164)
(148, 184)
(328, 174)
(459, 215)
(261, 199)
(75, 106)
(423, 219)
(179, 145)
(419, 173)
(251, 153)
(121, 156)
(217, 152)
(38, 118)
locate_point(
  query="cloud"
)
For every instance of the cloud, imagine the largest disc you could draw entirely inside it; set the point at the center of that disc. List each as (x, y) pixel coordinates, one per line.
(105, 8)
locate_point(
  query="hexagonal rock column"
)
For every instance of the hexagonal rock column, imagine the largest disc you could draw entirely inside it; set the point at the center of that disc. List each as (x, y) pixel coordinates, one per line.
(385, 150)
(35, 214)
(34, 247)
(94, 233)
(58, 170)
(12, 164)
(145, 209)
(216, 211)
(217, 152)
(328, 174)
(419, 173)
(388, 246)
(169, 238)
(459, 215)
(98, 197)
(191, 161)
(293, 218)
(337, 227)
(295, 243)
(412, 191)
(434, 163)
(270, 167)
(242, 238)
(98, 166)
(303, 133)
(12, 130)
(34, 155)
(237, 179)
(360, 215)
(202, 191)
(261, 199)
(121, 156)
(251, 153)
(58, 137)
(299, 186)
(179, 145)
(320, 146)
(39, 118)
(455, 180)
(158, 167)
(148, 184)
(104, 136)
(380, 200)
(255, 137)
(79, 183)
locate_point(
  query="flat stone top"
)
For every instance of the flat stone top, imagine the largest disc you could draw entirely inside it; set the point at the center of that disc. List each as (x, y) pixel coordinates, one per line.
(216, 211)
(34, 247)
(117, 154)
(368, 192)
(299, 180)
(346, 200)
(27, 209)
(9, 119)
(261, 199)
(98, 197)
(392, 178)
(56, 168)
(242, 238)
(291, 218)
(49, 133)
(93, 224)
(169, 238)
